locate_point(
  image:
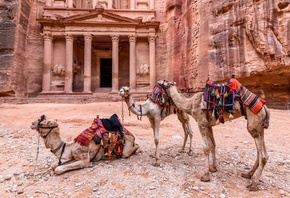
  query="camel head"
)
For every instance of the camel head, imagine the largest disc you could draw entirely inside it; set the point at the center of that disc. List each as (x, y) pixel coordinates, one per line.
(165, 84)
(44, 126)
(124, 91)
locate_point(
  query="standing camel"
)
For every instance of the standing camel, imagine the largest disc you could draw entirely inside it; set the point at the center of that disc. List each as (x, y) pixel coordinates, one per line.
(156, 114)
(255, 125)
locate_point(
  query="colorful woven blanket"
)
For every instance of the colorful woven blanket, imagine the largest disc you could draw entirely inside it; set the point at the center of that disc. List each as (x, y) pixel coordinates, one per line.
(222, 96)
(98, 128)
(219, 96)
(157, 96)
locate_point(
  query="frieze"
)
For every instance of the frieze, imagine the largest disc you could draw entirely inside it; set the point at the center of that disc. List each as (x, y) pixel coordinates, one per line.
(100, 18)
(100, 29)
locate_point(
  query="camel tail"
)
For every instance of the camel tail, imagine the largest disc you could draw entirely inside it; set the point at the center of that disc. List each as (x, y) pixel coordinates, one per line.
(266, 120)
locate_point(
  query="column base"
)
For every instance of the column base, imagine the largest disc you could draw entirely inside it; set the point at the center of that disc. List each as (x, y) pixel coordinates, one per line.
(87, 92)
(45, 92)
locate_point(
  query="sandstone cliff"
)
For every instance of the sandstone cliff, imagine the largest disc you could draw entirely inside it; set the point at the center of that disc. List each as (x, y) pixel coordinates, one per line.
(215, 39)
(197, 39)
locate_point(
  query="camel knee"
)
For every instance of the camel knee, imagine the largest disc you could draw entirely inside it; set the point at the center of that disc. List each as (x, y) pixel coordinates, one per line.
(265, 160)
(206, 150)
(156, 141)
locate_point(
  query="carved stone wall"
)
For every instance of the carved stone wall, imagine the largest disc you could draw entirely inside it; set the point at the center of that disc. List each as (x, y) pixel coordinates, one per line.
(196, 40)
(215, 39)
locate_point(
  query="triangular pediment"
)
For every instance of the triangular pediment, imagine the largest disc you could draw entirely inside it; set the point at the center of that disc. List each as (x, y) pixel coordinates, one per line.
(101, 16)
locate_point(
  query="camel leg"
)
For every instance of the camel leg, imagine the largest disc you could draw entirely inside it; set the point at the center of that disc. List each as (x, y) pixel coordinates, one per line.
(155, 123)
(129, 147)
(213, 165)
(72, 166)
(258, 167)
(184, 119)
(206, 149)
(249, 174)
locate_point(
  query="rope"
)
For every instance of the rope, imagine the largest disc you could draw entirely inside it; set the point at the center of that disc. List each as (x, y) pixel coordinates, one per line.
(122, 111)
(37, 153)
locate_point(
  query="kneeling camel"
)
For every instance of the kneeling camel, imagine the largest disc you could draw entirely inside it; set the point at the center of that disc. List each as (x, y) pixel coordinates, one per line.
(73, 155)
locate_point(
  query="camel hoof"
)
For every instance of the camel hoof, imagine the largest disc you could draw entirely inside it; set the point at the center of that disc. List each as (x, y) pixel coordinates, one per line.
(181, 151)
(252, 187)
(156, 164)
(190, 153)
(212, 169)
(246, 175)
(205, 178)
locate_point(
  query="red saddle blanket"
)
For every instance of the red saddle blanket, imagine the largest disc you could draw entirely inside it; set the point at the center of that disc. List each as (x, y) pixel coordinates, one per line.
(97, 131)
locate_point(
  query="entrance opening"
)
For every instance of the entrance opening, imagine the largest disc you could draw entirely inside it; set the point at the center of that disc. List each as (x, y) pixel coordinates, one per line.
(106, 72)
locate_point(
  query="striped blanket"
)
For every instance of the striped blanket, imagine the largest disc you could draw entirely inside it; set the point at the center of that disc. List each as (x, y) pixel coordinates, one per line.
(248, 98)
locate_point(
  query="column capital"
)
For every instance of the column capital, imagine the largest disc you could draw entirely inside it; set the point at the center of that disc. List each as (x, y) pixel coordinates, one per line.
(69, 37)
(47, 36)
(115, 38)
(132, 38)
(152, 38)
(88, 37)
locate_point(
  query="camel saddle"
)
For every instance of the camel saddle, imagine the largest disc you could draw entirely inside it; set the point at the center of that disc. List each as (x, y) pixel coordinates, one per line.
(221, 97)
(106, 132)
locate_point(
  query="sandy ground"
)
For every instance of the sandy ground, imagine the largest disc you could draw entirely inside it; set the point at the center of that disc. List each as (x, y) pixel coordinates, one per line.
(26, 173)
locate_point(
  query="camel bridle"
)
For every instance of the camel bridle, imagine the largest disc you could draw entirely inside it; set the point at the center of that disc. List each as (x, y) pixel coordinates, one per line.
(39, 126)
(126, 97)
(61, 145)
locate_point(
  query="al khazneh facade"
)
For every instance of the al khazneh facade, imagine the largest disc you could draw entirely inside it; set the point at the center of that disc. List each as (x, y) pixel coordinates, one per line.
(96, 44)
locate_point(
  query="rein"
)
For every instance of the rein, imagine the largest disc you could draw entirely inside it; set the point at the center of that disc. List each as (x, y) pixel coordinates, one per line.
(62, 151)
(45, 136)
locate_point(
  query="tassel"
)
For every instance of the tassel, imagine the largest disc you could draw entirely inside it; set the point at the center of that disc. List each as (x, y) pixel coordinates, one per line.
(220, 103)
(212, 115)
(226, 95)
(212, 93)
(119, 150)
(217, 93)
(109, 153)
(231, 116)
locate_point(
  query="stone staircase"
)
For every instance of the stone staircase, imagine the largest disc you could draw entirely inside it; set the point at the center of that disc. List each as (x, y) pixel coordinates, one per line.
(71, 98)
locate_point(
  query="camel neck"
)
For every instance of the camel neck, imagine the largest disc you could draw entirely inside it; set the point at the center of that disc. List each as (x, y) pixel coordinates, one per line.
(179, 100)
(134, 108)
(53, 141)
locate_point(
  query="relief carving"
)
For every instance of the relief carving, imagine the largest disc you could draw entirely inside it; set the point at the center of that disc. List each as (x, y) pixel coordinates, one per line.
(144, 70)
(58, 70)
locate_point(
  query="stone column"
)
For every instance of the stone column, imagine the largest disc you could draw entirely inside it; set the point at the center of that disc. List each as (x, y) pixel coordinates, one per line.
(115, 63)
(152, 65)
(69, 3)
(48, 3)
(87, 63)
(132, 5)
(151, 6)
(110, 4)
(69, 64)
(47, 63)
(94, 3)
(132, 78)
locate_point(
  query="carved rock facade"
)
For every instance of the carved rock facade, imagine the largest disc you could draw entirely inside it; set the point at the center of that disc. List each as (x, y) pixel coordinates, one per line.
(194, 40)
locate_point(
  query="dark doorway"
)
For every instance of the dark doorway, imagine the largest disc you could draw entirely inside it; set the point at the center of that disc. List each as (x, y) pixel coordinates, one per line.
(106, 72)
